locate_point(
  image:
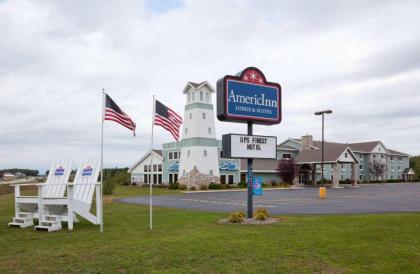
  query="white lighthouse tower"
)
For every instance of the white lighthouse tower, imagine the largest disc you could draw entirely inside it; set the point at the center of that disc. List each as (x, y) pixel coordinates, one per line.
(199, 144)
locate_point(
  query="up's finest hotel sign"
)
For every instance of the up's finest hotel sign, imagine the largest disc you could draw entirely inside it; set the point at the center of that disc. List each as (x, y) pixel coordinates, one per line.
(248, 97)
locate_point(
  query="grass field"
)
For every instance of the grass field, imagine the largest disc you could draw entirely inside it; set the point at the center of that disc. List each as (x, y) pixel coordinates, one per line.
(192, 242)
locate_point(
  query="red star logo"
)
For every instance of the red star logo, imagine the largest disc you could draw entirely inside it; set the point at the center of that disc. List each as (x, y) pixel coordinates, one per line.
(253, 76)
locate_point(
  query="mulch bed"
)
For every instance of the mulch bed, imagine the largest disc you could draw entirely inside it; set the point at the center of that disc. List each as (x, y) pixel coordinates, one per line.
(250, 221)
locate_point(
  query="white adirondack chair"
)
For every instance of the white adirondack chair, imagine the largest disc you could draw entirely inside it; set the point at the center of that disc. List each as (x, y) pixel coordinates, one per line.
(78, 201)
(26, 207)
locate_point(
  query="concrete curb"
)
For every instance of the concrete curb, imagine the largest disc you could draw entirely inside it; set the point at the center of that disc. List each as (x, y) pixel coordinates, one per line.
(238, 190)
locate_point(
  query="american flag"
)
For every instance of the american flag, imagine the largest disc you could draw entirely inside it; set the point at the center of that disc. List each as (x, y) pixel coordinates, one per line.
(114, 113)
(168, 119)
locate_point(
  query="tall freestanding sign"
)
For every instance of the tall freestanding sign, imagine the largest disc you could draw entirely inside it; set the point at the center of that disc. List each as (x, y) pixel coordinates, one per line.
(249, 98)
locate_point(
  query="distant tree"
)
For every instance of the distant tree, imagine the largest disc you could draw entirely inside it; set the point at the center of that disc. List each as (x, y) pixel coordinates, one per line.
(377, 169)
(286, 170)
(27, 172)
(415, 165)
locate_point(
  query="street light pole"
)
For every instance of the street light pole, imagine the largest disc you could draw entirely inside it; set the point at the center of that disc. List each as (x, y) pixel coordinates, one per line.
(322, 144)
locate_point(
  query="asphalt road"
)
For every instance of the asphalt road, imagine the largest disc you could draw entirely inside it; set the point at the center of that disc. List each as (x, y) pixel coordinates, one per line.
(379, 198)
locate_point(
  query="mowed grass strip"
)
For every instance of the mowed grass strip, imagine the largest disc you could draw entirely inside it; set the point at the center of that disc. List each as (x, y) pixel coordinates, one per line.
(192, 242)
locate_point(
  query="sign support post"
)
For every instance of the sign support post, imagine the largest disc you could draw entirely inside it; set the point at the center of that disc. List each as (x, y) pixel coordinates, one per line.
(250, 176)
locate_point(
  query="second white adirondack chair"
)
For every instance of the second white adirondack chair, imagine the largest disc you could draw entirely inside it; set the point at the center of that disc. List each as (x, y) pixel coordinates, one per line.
(26, 207)
(78, 201)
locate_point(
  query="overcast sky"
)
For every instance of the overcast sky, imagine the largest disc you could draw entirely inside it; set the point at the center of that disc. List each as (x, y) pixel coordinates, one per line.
(359, 58)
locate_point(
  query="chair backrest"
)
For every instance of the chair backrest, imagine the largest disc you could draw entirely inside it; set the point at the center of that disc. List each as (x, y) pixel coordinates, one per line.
(58, 177)
(84, 182)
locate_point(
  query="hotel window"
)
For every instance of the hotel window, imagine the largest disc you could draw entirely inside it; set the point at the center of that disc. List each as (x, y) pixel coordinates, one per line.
(203, 115)
(374, 156)
(221, 154)
(382, 156)
(287, 156)
(154, 167)
(189, 97)
(145, 168)
(190, 116)
(400, 159)
(205, 153)
(332, 177)
(170, 155)
(392, 158)
(159, 167)
(175, 155)
(186, 130)
(201, 96)
(360, 177)
(346, 155)
(193, 96)
(209, 130)
(188, 153)
(343, 177)
(361, 167)
(207, 97)
(343, 167)
(211, 172)
(361, 156)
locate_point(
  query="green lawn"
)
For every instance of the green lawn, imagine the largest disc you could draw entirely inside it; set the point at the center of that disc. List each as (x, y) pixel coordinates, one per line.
(192, 242)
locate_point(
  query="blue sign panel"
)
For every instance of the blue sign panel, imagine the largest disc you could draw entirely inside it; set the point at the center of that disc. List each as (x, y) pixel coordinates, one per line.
(87, 171)
(249, 101)
(257, 186)
(59, 171)
(230, 166)
(248, 97)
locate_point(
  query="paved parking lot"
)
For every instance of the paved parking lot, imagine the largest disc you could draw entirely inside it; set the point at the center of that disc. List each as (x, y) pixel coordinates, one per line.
(378, 198)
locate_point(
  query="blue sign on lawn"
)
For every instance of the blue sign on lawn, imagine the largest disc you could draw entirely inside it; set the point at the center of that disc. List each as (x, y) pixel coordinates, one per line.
(257, 186)
(248, 97)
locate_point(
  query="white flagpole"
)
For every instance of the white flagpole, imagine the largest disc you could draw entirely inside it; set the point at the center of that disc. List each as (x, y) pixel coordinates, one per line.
(102, 161)
(151, 170)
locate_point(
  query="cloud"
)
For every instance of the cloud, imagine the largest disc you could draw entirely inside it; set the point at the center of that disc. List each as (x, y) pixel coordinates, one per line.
(360, 59)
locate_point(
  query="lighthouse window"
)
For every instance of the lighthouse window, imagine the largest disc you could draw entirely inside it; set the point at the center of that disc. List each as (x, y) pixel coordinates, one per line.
(203, 115)
(205, 153)
(209, 129)
(201, 96)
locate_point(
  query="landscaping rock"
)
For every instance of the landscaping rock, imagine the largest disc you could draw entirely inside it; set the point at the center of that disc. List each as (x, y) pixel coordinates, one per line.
(196, 179)
(250, 221)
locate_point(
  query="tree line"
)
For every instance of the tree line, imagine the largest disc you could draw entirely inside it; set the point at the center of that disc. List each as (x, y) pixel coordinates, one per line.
(27, 172)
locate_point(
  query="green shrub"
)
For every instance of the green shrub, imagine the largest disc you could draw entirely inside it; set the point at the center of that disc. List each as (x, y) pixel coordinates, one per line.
(193, 188)
(173, 186)
(109, 185)
(261, 214)
(236, 217)
(182, 186)
(284, 184)
(203, 187)
(273, 182)
(242, 184)
(215, 186)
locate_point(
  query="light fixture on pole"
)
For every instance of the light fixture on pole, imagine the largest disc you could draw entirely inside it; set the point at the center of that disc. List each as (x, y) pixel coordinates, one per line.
(328, 111)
